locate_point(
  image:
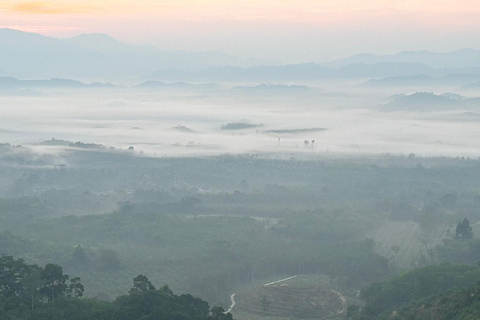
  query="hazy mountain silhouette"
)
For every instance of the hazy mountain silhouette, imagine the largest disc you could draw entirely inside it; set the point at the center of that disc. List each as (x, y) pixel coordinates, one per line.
(100, 57)
(465, 58)
(426, 80)
(9, 83)
(273, 87)
(95, 56)
(304, 71)
(161, 84)
(421, 101)
(384, 73)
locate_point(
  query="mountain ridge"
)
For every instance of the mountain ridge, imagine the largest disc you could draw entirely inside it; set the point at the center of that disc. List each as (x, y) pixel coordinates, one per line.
(100, 57)
(97, 57)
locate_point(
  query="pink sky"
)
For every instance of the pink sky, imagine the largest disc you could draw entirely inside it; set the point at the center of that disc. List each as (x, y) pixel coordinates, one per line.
(302, 30)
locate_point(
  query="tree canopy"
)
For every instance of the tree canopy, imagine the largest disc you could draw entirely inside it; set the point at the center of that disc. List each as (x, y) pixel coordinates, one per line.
(31, 292)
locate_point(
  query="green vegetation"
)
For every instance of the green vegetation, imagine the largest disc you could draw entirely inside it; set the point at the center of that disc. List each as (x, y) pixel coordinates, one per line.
(460, 304)
(231, 250)
(382, 298)
(32, 292)
(464, 231)
(240, 126)
(209, 226)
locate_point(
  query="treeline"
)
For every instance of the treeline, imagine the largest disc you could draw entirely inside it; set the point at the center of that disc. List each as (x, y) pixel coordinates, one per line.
(407, 290)
(459, 304)
(455, 304)
(30, 292)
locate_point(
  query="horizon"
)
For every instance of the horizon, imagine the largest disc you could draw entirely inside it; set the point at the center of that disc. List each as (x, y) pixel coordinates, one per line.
(283, 32)
(263, 62)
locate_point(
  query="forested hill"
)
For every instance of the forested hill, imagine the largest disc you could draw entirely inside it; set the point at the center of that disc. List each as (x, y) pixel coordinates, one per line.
(31, 292)
(459, 304)
(437, 292)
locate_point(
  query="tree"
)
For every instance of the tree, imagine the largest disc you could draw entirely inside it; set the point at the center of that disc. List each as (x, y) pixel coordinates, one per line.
(218, 313)
(12, 271)
(141, 284)
(79, 258)
(75, 288)
(464, 231)
(32, 284)
(55, 282)
(196, 307)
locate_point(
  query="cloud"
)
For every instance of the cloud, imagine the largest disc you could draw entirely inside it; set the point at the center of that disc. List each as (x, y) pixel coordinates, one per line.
(51, 8)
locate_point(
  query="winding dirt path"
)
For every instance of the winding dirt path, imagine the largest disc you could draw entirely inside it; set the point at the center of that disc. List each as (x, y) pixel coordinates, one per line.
(344, 303)
(232, 298)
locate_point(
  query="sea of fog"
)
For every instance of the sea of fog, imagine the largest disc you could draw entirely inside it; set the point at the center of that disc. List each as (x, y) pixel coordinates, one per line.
(188, 123)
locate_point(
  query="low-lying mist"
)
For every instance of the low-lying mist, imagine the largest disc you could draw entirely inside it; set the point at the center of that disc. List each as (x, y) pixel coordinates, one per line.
(214, 120)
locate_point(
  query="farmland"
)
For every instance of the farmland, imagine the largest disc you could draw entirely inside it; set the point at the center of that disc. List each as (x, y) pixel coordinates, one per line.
(303, 297)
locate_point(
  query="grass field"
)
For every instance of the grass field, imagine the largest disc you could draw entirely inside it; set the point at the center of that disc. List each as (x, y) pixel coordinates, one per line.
(300, 297)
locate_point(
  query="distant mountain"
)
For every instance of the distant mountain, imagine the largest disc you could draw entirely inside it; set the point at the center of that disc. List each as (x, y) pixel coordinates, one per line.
(95, 57)
(294, 72)
(383, 69)
(427, 101)
(10, 83)
(453, 96)
(475, 85)
(426, 80)
(161, 84)
(421, 101)
(465, 58)
(99, 57)
(272, 87)
(255, 73)
(401, 81)
(395, 97)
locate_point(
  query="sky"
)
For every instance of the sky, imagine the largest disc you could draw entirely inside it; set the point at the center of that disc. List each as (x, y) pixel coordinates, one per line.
(280, 31)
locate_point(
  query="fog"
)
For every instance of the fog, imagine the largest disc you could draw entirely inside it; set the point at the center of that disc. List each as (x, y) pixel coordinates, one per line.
(149, 120)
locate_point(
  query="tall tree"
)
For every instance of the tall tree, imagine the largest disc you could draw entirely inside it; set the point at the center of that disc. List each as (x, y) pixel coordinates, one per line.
(79, 258)
(12, 271)
(141, 284)
(75, 288)
(55, 281)
(464, 231)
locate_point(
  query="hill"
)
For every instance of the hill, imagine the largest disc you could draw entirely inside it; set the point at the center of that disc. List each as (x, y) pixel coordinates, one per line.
(462, 304)
(383, 299)
(291, 72)
(464, 58)
(421, 101)
(455, 79)
(94, 56)
(9, 83)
